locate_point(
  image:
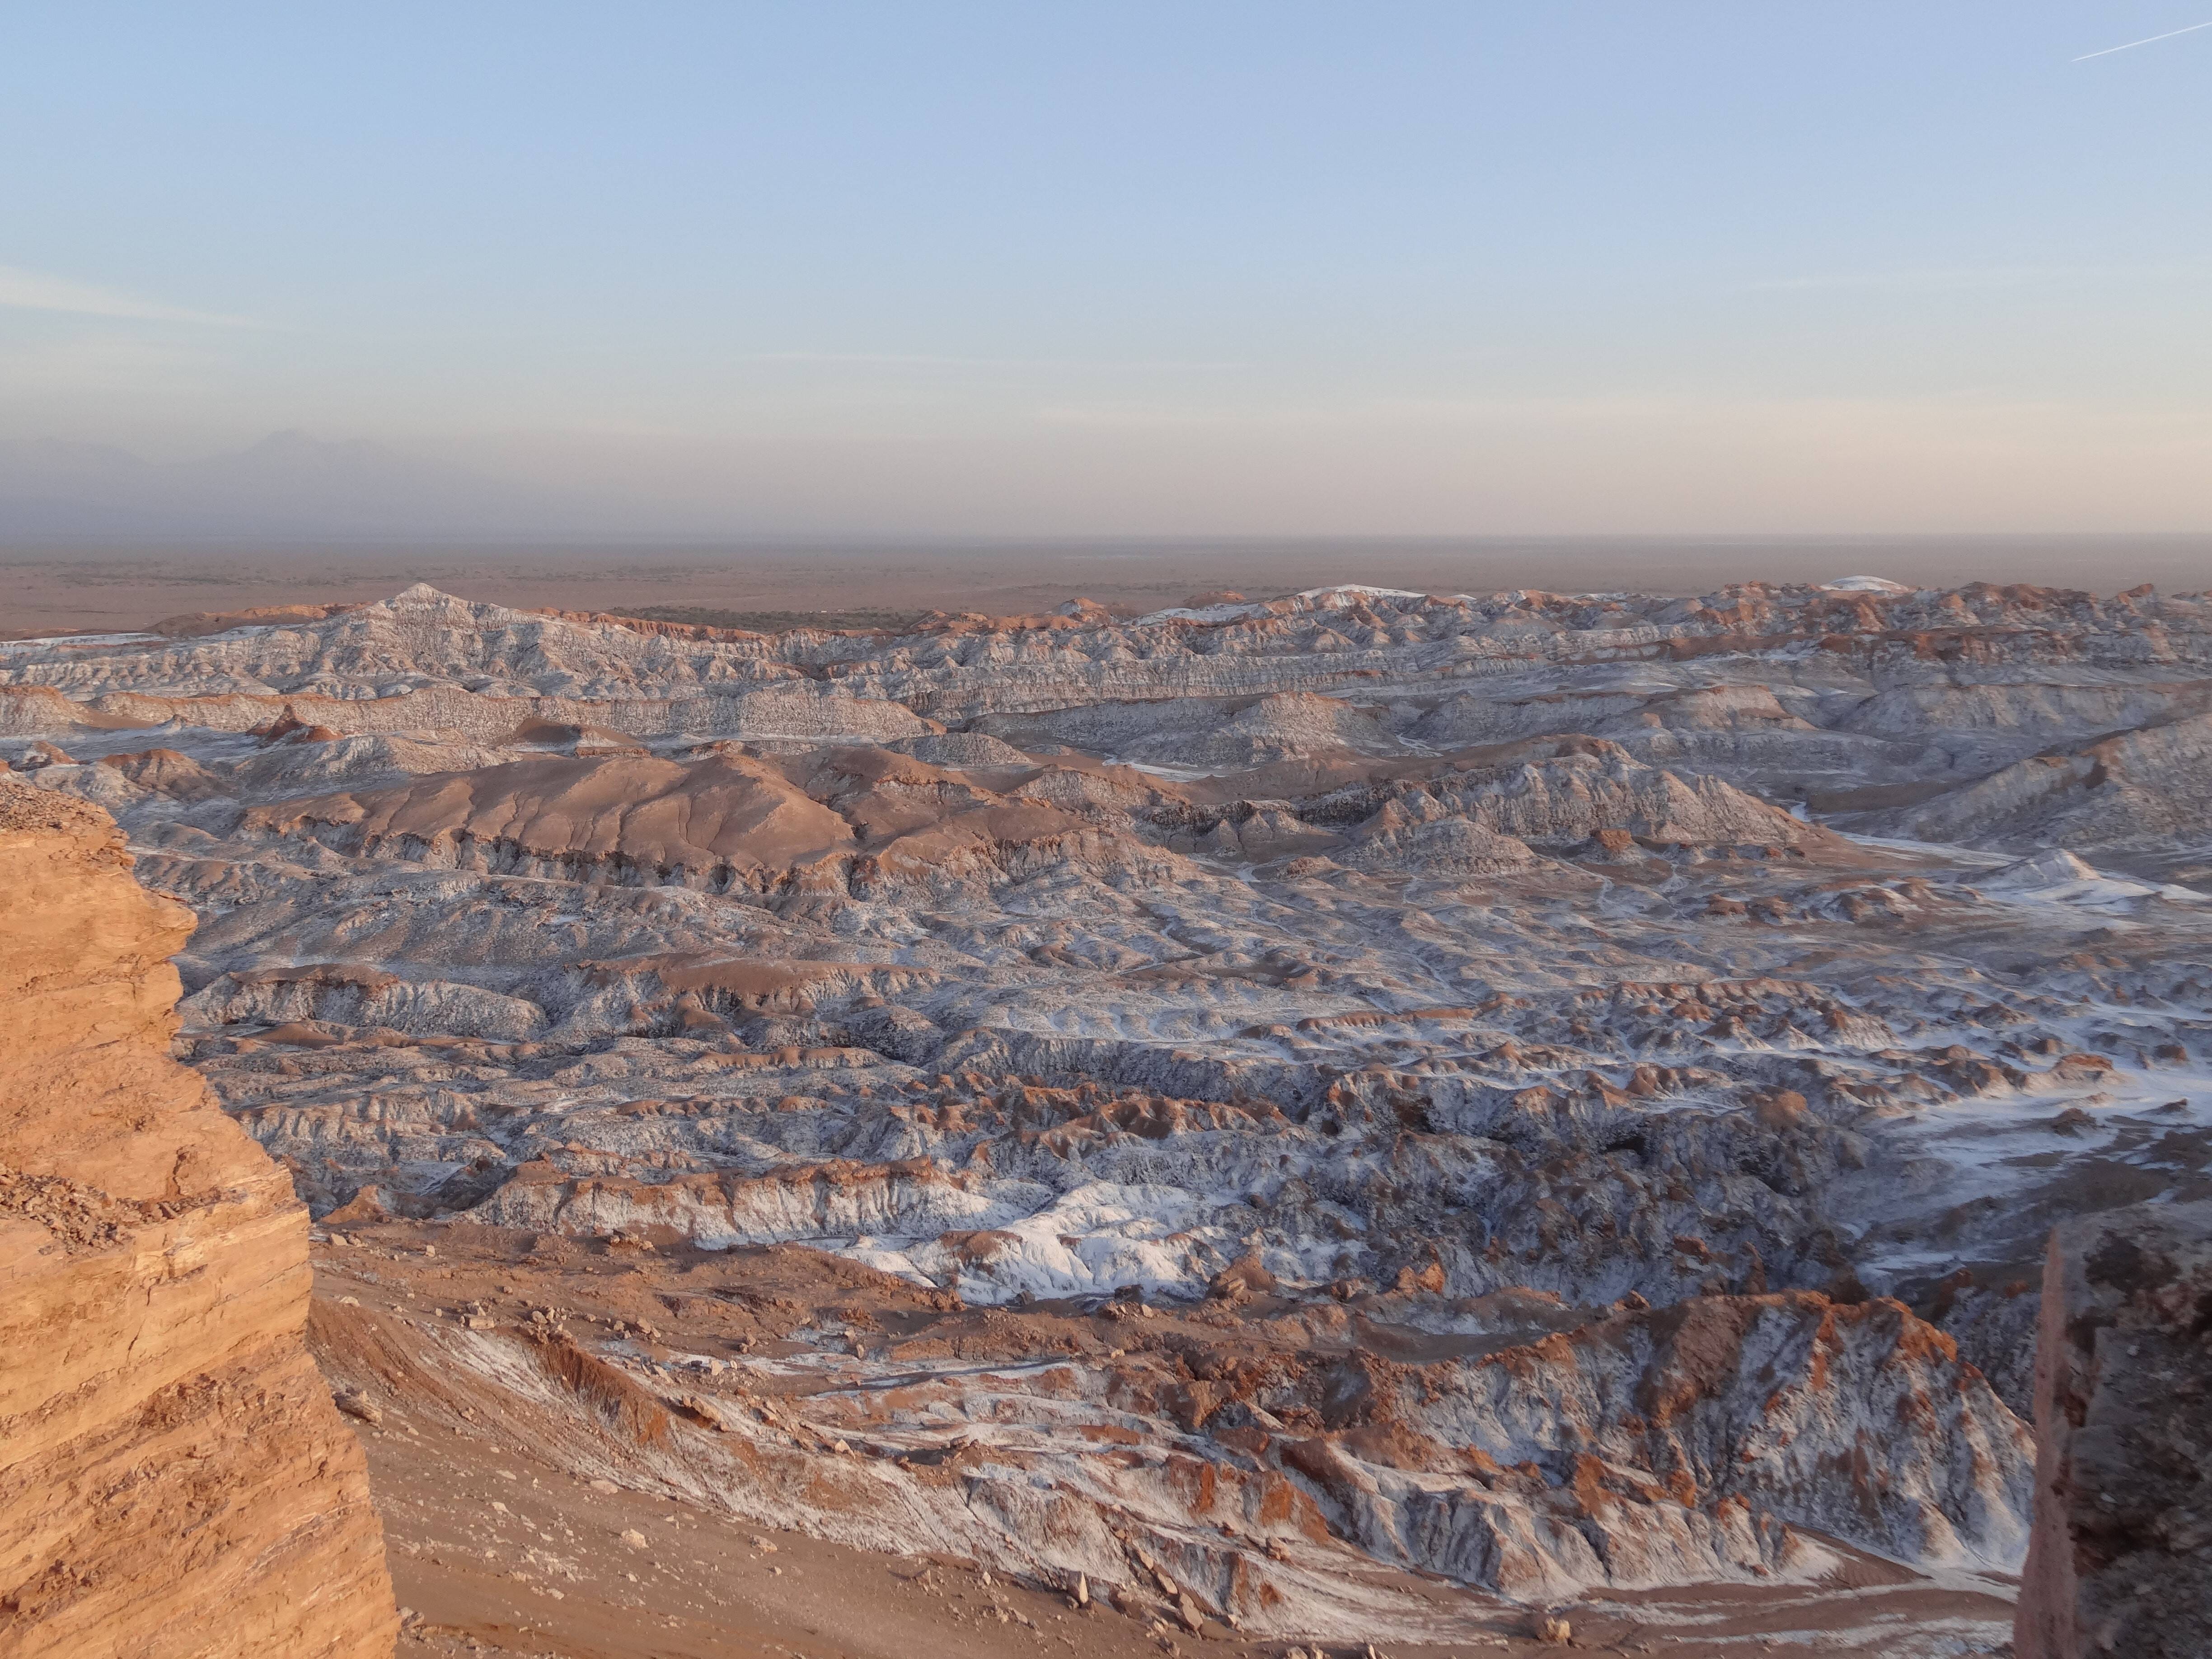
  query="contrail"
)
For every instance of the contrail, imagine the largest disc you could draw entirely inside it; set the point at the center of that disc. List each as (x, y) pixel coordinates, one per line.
(2132, 45)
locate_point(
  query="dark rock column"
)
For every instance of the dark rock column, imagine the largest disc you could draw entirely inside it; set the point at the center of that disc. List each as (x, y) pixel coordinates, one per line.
(2120, 1561)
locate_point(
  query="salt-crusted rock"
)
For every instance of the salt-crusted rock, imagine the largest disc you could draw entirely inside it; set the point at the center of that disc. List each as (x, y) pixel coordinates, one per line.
(1687, 1444)
(1429, 975)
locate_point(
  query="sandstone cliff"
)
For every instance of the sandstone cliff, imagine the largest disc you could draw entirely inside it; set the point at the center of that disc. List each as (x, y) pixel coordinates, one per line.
(2120, 1560)
(173, 1479)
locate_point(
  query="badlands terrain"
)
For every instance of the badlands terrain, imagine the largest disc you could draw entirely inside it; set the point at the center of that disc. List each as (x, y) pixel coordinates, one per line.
(1366, 1117)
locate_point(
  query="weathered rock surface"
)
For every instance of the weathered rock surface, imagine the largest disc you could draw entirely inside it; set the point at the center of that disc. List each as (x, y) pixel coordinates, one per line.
(2121, 1558)
(1252, 1459)
(173, 1479)
(1526, 992)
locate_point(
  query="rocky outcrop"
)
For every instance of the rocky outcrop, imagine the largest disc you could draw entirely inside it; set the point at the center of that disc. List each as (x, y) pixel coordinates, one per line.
(2120, 1560)
(173, 1478)
(1423, 960)
(2146, 788)
(1678, 1440)
(555, 813)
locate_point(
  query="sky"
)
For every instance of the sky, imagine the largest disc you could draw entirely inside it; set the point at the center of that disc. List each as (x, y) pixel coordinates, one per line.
(1209, 267)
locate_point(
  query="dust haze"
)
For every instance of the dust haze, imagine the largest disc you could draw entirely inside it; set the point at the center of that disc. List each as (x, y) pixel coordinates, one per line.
(57, 587)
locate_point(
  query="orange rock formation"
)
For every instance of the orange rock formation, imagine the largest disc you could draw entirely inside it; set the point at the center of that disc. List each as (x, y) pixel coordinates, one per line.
(173, 1478)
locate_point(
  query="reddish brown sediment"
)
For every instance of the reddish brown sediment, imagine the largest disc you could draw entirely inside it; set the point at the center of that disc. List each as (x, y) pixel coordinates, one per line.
(1400, 1103)
(173, 1478)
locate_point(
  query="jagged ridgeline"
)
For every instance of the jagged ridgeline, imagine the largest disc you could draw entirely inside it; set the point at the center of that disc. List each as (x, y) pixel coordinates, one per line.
(1602, 1066)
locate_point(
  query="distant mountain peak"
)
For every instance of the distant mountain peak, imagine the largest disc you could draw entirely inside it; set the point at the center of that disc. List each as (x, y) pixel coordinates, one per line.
(288, 483)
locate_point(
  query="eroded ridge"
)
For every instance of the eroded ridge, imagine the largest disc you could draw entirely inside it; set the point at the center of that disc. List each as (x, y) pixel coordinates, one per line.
(1662, 1031)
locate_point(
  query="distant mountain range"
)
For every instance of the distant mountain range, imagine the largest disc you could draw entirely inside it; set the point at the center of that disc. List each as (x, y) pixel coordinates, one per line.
(287, 484)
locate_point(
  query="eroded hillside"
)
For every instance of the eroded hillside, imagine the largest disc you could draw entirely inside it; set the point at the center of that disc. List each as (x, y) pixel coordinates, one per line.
(1560, 1096)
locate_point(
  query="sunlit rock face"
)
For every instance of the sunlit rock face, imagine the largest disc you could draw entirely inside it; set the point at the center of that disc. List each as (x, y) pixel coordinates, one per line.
(1640, 1043)
(173, 1478)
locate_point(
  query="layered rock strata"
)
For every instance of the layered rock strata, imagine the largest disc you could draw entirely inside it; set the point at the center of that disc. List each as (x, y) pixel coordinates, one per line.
(174, 1480)
(2120, 1560)
(1644, 1042)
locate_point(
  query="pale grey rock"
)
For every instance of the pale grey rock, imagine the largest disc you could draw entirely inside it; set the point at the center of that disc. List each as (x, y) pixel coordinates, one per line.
(1402, 952)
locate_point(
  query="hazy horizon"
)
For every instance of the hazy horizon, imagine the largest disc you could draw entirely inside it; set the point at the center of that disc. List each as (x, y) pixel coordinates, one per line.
(990, 271)
(66, 587)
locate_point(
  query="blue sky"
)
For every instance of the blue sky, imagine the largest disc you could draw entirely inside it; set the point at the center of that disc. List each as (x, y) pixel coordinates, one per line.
(1397, 268)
